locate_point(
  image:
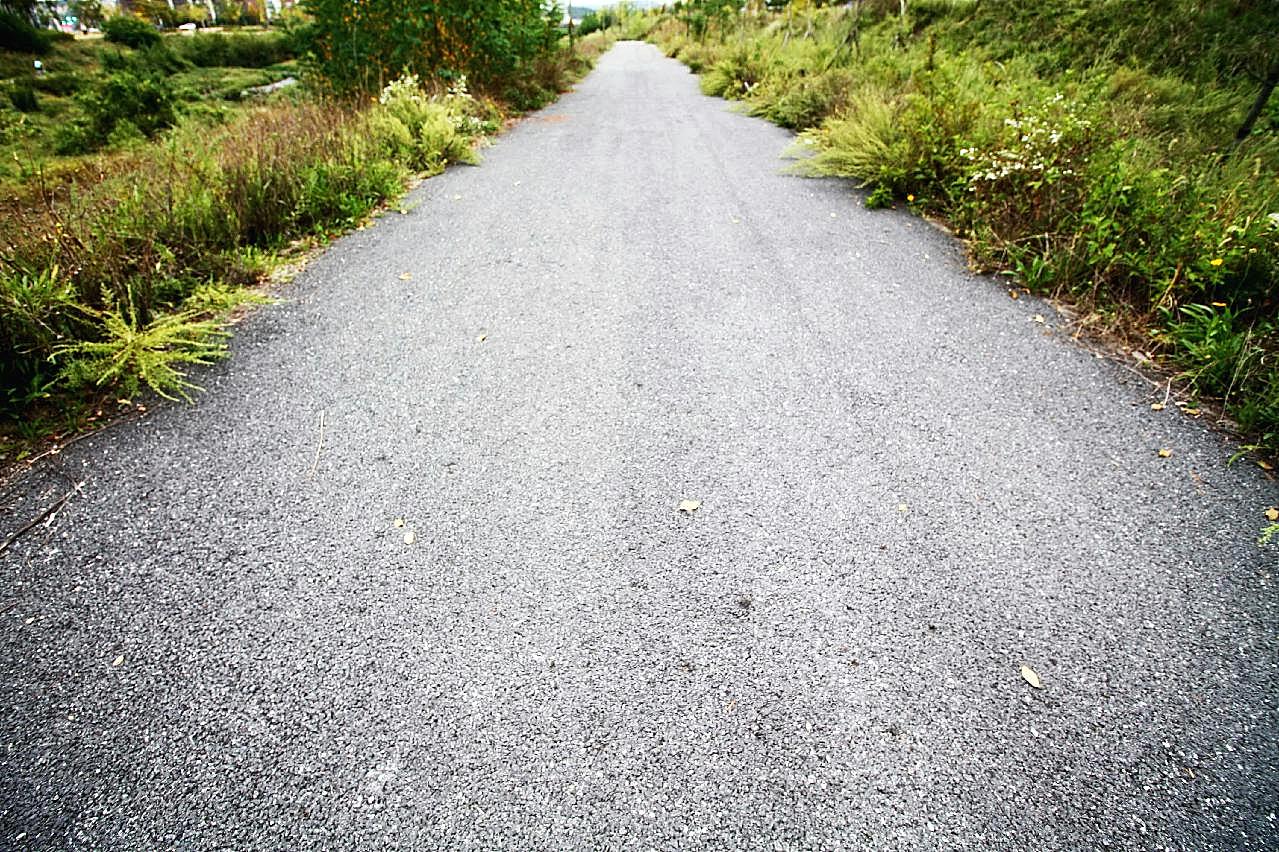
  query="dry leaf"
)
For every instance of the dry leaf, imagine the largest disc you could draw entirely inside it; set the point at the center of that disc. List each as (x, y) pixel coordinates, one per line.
(1265, 465)
(1191, 411)
(1158, 406)
(1164, 453)
(405, 276)
(410, 537)
(1039, 318)
(118, 660)
(690, 506)
(1272, 514)
(1013, 294)
(481, 338)
(399, 522)
(1031, 678)
(902, 507)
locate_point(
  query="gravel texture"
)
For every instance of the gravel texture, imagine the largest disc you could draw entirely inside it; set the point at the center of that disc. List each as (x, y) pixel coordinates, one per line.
(909, 489)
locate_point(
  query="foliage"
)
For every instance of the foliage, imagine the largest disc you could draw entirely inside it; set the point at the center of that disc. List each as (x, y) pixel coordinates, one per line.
(359, 46)
(130, 32)
(124, 101)
(241, 50)
(131, 354)
(110, 276)
(17, 34)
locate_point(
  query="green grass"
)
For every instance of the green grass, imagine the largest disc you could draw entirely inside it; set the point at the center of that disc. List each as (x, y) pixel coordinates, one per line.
(118, 269)
(1085, 146)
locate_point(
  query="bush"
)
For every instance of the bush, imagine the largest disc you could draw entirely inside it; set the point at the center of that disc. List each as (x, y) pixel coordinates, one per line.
(240, 50)
(23, 96)
(130, 32)
(145, 102)
(19, 36)
(60, 84)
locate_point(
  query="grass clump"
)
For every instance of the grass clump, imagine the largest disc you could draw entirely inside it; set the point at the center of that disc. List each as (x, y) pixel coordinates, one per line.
(1096, 149)
(105, 281)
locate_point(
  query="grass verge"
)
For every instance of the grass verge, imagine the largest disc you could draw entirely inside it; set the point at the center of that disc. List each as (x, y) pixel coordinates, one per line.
(1094, 150)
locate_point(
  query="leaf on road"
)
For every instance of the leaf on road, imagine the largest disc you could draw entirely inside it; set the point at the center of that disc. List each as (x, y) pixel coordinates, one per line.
(118, 660)
(410, 537)
(1158, 406)
(1039, 318)
(405, 276)
(399, 522)
(1265, 465)
(902, 507)
(481, 338)
(690, 506)
(1272, 514)
(1164, 453)
(1013, 294)
(1031, 678)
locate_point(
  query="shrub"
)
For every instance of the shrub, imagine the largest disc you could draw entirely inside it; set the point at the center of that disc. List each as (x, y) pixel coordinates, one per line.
(23, 96)
(147, 103)
(18, 35)
(60, 84)
(240, 50)
(130, 32)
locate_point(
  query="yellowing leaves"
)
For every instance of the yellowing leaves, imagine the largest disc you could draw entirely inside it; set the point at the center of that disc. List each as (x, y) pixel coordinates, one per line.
(1165, 453)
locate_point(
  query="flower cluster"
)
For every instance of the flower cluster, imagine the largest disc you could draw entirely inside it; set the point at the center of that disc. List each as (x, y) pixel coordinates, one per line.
(1041, 147)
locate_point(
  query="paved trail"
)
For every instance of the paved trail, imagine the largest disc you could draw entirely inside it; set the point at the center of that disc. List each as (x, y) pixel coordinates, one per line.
(629, 305)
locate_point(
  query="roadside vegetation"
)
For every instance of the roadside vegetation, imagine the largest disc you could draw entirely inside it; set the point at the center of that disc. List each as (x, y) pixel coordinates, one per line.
(146, 188)
(1120, 155)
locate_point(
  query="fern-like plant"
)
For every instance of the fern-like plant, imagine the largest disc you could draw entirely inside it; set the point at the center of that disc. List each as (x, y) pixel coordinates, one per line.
(131, 354)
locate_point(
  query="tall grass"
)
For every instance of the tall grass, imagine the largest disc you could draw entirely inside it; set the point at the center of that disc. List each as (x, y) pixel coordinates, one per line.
(88, 266)
(1083, 146)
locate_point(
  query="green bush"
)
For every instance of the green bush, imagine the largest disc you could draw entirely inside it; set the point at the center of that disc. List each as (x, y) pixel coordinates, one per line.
(130, 32)
(146, 102)
(19, 36)
(239, 50)
(59, 84)
(23, 96)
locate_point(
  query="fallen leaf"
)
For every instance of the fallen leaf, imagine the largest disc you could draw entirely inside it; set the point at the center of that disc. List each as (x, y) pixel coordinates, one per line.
(1013, 294)
(1158, 406)
(118, 660)
(1164, 453)
(399, 522)
(481, 338)
(690, 506)
(1031, 678)
(1039, 318)
(1265, 465)
(1191, 411)
(405, 276)
(410, 537)
(457, 198)
(902, 507)
(1272, 514)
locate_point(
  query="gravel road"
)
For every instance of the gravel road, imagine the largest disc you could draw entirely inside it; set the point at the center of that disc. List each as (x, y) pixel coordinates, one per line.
(909, 488)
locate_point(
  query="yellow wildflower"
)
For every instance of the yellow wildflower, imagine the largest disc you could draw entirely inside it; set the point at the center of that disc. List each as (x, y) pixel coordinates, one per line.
(1216, 261)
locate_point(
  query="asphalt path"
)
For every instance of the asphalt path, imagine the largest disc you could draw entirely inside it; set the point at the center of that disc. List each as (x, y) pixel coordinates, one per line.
(909, 488)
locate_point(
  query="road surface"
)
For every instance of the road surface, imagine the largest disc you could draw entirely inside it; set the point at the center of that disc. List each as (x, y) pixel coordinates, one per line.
(412, 573)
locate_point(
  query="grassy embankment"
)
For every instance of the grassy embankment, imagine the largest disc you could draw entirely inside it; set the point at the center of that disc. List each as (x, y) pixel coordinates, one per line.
(1087, 149)
(143, 197)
